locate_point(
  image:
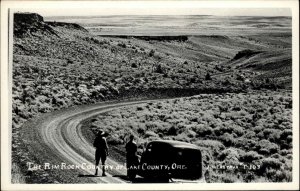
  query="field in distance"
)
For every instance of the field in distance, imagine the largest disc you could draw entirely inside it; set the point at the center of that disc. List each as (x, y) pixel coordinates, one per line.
(169, 25)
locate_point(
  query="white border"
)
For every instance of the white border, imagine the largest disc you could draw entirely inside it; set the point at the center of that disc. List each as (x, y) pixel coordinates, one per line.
(6, 102)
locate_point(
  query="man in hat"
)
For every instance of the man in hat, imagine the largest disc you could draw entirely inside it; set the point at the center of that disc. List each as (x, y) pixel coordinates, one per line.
(131, 158)
(101, 151)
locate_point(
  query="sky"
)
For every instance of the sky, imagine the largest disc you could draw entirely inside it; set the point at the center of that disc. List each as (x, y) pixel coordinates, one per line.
(163, 11)
(219, 8)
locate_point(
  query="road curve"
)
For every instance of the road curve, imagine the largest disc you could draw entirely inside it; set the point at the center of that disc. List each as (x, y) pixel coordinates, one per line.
(56, 138)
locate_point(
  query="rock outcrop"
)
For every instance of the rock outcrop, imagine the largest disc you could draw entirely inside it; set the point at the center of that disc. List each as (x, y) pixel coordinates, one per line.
(33, 24)
(30, 23)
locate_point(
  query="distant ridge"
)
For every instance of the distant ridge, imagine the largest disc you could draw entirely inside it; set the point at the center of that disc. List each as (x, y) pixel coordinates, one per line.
(148, 38)
(67, 25)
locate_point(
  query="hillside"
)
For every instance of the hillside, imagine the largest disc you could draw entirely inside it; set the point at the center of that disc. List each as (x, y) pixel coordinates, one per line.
(275, 65)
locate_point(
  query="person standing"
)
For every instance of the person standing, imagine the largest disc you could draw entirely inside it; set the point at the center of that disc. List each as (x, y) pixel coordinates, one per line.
(101, 151)
(131, 158)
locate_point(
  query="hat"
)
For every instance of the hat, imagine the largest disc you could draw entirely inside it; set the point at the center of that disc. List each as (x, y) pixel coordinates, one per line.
(101, 133)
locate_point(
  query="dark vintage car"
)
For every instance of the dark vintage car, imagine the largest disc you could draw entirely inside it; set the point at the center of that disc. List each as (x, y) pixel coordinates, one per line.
(170, 159)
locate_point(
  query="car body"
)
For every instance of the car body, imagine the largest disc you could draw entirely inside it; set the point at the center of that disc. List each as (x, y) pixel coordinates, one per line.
(170, 159)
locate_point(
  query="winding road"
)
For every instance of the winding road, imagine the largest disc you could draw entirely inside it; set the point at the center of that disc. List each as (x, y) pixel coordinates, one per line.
(56, 142)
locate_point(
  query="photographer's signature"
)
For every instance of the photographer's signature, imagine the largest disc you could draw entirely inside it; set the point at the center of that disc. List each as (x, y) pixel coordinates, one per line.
(232, 167)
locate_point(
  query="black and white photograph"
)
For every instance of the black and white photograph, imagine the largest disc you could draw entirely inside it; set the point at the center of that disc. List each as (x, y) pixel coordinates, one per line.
(151, 94)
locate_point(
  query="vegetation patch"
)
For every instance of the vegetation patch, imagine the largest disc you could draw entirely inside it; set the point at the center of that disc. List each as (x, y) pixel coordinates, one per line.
(241, 136)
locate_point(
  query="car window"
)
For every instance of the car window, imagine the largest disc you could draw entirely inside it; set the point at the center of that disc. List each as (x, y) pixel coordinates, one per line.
(189, 155)
(160, 149)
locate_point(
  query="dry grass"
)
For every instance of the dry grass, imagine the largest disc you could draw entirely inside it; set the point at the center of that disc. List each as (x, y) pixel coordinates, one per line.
(16, 176)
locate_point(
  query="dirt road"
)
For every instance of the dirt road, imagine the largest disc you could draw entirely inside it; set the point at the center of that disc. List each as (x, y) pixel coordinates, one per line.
(56, 142)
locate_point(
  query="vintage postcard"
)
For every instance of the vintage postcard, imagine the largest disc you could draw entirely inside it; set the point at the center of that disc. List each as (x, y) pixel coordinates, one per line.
(168, 95)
